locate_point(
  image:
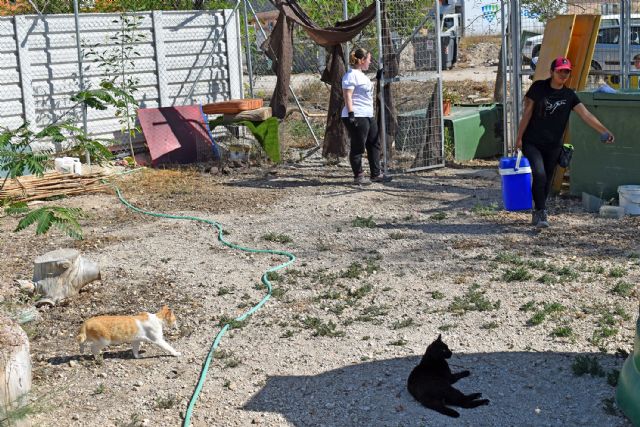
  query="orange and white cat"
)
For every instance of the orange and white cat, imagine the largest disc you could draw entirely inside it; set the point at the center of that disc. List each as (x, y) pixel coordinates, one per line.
(102, 331)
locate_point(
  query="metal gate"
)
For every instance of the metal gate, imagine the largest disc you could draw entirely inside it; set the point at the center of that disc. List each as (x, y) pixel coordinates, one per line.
(411, 87)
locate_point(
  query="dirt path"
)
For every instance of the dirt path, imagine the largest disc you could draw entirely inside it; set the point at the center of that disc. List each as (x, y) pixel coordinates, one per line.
(381, 271)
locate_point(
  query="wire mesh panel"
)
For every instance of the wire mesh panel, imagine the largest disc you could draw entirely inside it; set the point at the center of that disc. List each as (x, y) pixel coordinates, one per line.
(412, 54)
(304, 125)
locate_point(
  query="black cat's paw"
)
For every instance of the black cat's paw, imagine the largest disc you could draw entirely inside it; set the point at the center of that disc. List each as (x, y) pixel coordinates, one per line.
(463, 374)
(483, 401)
(474, 396)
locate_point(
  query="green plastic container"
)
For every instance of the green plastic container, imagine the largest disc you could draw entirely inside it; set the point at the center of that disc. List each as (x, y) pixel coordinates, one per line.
(598, 168)
(628, 389)
(476, 131)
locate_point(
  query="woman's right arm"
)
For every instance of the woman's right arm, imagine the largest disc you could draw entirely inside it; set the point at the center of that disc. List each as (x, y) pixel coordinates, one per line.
(524, 121)
(348, 99)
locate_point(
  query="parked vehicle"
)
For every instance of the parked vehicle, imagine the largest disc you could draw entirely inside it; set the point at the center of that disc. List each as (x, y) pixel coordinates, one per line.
(451, 27)
(606, 55)
(531, 47)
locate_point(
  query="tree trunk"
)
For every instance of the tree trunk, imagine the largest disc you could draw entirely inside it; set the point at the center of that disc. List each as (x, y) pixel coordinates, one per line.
(15, 371)
(62, 273)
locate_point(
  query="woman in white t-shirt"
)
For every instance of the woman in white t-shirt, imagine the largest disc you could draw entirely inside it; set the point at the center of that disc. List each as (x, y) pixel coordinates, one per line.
(357, 115)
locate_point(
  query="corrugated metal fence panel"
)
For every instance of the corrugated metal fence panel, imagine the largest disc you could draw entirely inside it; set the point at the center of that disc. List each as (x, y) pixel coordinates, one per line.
(174, 47)
(11, 98)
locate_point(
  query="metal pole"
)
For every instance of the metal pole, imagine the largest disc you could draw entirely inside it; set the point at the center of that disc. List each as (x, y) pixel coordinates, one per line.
(516, 83)
(76, 16)
(505, 103)
(213, 49)
(439, 77)
(248, 44)
(625, 32)
(295, 98)
(383, 127)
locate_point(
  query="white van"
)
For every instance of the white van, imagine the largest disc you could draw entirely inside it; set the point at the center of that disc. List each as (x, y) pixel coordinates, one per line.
(531, 47)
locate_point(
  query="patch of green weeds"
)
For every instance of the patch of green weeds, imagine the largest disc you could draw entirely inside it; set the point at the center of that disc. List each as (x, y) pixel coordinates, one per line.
(325, 278)
(231, 363)
(277, 238)
(567, 273)
(372, 313)
(321, 329)
(547, 279)
(364, 222)
(584, 364)
(353, 271)
(623, 289)
(399, 324)
(548, 309)
(538, 264)
(473, 300)
(287, 334)
(562, 332)
(233, 323)
(99, 390)
(490, 325)
(223, 291)
(612, 377)
(273, 276)
(366, 338)
(438, 216)
(485, 210)
(509, 258)
(329, 295)
(528, 306)
(401, 342)
(167, 402)
(361, 291)
(278, 292)
(617, 272)
(519, 274)
(437, 295)
(447, 327)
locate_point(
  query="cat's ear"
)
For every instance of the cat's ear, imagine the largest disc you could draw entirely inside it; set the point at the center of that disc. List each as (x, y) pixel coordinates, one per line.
(439, 337)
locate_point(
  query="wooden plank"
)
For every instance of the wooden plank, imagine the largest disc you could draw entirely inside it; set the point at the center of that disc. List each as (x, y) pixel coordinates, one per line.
(583, 42)
(555, 42)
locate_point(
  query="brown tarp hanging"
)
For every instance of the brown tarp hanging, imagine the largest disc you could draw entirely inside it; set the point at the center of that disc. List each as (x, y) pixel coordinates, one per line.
(279, 48)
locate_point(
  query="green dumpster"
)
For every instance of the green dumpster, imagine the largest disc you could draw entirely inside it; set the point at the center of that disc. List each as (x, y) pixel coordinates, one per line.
(598, 168)
(628, 388)
(476, 130)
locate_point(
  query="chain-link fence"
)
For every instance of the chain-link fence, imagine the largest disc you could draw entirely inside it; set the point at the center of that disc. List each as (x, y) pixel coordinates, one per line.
(411, 45)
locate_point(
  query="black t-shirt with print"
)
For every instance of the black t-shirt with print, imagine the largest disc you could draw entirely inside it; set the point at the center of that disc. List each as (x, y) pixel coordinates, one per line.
(550, 113)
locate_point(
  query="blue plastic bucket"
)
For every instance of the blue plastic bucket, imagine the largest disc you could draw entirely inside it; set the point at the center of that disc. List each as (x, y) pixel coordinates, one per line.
(516, 183)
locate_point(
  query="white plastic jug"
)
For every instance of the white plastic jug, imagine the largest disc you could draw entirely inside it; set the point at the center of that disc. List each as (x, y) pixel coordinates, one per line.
(68, 165)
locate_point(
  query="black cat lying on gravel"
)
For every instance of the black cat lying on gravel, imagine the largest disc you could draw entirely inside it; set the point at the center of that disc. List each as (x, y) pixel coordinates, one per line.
(430, 382)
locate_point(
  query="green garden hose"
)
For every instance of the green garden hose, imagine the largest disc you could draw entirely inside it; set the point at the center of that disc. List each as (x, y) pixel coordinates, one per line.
(265, 281)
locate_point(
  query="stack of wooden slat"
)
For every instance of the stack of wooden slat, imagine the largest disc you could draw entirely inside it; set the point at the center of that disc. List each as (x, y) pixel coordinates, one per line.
(52, 184)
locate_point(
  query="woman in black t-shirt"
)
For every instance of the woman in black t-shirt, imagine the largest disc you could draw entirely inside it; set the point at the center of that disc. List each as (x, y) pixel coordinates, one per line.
(547, 106)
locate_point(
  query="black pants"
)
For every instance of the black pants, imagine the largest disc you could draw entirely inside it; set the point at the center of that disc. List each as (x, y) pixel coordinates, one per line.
(364, 135)
(543, 162)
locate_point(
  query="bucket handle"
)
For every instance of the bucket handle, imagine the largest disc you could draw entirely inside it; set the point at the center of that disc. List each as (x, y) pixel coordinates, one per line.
(518, 159)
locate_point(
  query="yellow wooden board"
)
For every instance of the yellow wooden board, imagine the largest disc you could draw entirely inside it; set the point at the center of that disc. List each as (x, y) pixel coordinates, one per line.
(555, 42)
(583, 42)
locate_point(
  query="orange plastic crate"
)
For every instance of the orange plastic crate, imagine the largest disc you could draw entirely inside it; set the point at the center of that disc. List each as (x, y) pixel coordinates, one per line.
(233, 106)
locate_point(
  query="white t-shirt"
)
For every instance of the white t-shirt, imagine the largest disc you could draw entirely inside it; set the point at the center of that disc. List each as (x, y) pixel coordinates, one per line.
(362, 96)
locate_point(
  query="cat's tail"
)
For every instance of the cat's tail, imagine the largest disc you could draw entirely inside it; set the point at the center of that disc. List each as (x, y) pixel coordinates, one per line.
(82, 335)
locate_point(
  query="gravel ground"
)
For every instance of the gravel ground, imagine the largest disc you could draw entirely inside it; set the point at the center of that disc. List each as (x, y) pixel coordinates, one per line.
(351, 317)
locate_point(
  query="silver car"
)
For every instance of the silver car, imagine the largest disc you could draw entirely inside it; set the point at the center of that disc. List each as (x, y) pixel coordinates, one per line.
(606, 55)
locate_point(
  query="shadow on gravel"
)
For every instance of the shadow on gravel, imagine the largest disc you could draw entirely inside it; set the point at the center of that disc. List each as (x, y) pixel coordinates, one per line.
(460, 228)
(525, 389)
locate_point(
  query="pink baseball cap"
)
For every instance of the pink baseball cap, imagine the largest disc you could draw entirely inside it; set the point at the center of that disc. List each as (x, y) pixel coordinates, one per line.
(561, 63)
